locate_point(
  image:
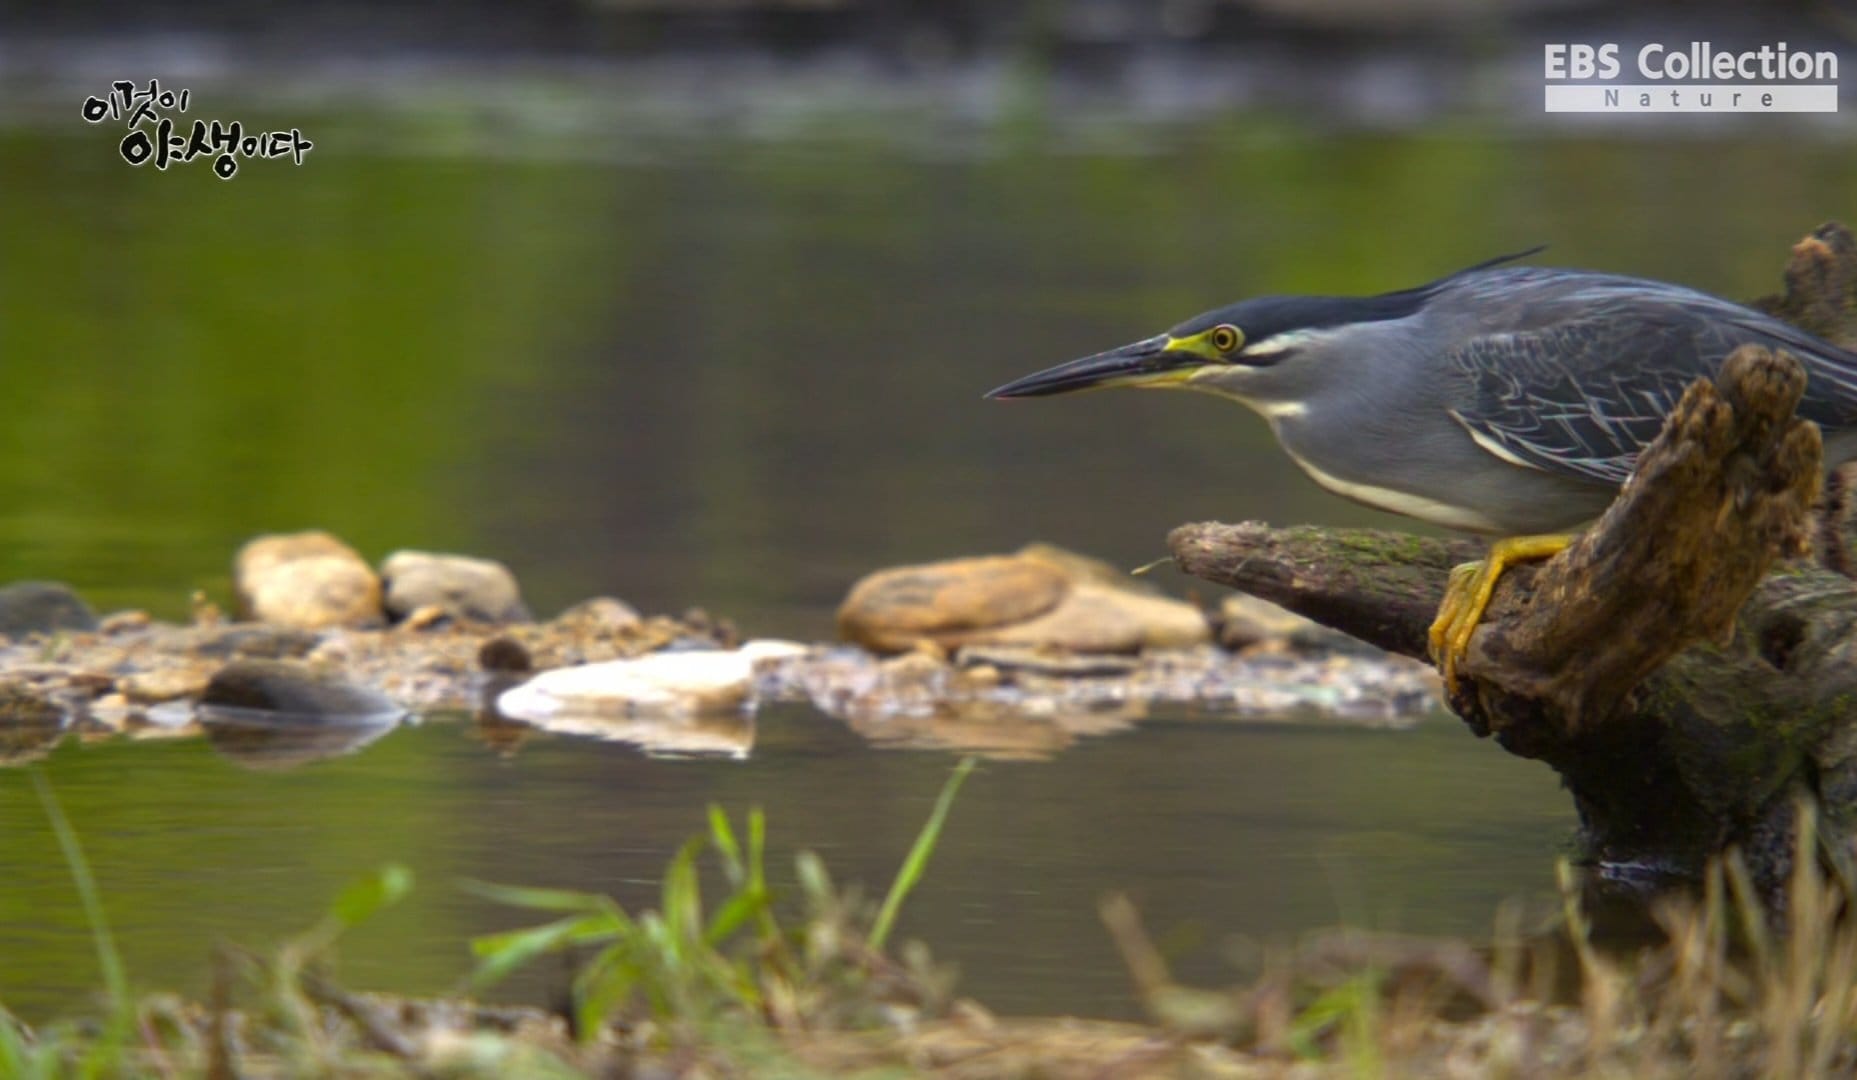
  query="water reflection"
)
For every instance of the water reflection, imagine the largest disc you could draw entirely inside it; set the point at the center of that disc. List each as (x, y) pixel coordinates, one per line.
(658, 735)
(997, 732)
(262, 739)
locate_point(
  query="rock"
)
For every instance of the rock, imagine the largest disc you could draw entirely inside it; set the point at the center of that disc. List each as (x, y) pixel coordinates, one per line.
(23, 707)
(1000, 658)
(30, 723)
(427, 617)
(124, 622)
(890, 610)
(111, 713)
(1246, 622)
(42, 607)
(1081, 568)
(773, 651)
(719, 633)
(307, 580)
(466, 587)
(284, 686)
(256, 641)
(87, 682)
(170, 717)
(1042, 597)
(1097, 618)
(206, 614)
(162, 684)
(682, 682)
(601, 613)
(506, 655)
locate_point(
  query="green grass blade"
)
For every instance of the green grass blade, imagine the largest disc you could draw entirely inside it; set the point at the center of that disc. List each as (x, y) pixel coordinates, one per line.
(917, 862)
(368, 895)
(723, 836)
(735, 911)
(104, 1054)
(771, 937)
(602, 988)
(15, 1050)
(815, 880)
(500, 954)
(682, 902)
(115, 979)
(561, 900)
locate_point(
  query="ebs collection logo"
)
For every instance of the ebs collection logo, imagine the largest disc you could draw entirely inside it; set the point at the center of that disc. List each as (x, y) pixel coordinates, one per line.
(1693, 77)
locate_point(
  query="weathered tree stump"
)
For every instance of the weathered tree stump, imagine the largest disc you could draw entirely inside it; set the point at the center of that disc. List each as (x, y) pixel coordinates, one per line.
(1686, 666)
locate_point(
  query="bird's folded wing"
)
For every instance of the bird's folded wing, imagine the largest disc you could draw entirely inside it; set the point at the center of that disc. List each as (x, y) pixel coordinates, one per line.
(1579, 398)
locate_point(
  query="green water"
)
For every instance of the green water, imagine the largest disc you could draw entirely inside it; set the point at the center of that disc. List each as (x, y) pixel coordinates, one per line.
(1217, 829)
(738, 374)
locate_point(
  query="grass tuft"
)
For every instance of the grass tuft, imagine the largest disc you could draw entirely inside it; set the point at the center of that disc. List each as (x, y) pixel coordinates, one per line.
(684, 977)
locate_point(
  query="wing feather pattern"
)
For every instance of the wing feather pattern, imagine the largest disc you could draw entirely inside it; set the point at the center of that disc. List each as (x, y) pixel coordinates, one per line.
(1553, 399)
(1579, 371)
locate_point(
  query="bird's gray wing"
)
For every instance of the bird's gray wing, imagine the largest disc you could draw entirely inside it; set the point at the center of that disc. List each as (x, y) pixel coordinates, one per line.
(1578, 398)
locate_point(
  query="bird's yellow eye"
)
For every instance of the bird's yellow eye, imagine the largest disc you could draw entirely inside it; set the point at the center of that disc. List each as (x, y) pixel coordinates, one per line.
(1225, 338)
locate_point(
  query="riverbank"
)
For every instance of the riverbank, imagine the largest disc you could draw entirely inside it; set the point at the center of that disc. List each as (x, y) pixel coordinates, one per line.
(1012, 656)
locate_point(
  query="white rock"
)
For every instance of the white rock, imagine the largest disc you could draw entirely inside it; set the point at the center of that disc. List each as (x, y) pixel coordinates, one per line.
(677, 682)
(724, 734)
(770, 650)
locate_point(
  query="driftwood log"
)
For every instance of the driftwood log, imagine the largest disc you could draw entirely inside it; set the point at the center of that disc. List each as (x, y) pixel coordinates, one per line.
(1689, 665)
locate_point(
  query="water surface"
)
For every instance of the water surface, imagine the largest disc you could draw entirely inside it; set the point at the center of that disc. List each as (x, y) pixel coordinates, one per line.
(1217, 829)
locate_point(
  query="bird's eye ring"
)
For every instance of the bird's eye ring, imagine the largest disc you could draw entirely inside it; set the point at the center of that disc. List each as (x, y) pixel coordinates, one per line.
(1225, 338)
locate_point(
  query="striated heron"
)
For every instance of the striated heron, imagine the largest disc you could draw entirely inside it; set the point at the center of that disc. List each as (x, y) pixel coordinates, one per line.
(1503, 400)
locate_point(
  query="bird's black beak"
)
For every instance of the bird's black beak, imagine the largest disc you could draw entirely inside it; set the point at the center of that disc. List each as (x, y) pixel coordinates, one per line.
(1145, 362)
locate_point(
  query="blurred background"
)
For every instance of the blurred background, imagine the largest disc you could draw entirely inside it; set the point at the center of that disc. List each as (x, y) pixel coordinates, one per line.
(692, 302)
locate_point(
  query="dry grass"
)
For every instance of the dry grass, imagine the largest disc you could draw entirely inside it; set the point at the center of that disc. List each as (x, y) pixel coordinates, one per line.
(1733, 987)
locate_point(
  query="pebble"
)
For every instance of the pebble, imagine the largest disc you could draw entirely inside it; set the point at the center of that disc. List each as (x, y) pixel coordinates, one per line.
(711, 680)
(42, 607)
(124, 622)
(601, 613)
(30, 724)
(163, 684)
(295, 690)
(506, 655)
(1041, 597)
(307, 580)
(762, 651)
(481, 590)
(257, 641)
(22, 707)
(1247, 622)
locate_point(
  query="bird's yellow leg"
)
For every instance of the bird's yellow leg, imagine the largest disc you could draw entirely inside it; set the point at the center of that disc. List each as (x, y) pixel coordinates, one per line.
(1469, 592)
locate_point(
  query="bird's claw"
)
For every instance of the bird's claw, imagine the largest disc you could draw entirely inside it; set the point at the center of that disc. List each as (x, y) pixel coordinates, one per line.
(1457, 619)
(1468, 594)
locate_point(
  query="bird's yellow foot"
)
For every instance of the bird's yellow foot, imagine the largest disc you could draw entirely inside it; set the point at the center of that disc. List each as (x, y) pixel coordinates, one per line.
(1469, 592)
